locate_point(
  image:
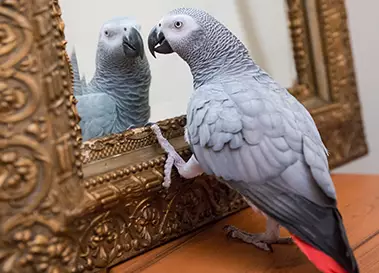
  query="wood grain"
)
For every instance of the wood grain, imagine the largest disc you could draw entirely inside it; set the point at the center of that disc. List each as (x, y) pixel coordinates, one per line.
(368, 255)
(211, 251)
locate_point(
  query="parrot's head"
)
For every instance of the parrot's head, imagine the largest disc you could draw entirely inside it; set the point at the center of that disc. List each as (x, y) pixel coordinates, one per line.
(177, 32)
(120, 39)
(196, 36)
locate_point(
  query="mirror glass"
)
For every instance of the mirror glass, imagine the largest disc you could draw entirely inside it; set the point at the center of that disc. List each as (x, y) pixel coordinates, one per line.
(261, 25)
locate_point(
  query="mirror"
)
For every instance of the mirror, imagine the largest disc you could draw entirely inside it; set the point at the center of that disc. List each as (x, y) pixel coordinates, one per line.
(268, 41)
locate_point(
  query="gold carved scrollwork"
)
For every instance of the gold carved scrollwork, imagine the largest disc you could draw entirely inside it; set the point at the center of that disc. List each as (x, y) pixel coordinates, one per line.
(301, 43)
(22, 162)
(37, 161)
(18, 92)
(19, 96)
(37, 251)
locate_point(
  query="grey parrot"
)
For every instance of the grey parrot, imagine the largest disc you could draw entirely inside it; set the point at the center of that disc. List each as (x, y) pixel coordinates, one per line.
(117, 97)
(254, 136)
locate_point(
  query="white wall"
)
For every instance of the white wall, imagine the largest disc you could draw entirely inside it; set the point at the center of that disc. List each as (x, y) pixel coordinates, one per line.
(171, 80)
(364, 23)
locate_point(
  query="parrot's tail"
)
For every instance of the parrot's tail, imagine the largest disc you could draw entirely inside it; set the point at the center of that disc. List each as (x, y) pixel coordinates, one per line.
(326, 263)
(322, 261)
(317, 230)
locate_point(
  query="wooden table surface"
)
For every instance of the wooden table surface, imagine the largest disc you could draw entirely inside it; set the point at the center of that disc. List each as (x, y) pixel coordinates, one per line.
(209, 250)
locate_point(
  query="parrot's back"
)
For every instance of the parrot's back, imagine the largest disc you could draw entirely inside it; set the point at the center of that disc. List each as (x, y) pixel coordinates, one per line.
(261, 141)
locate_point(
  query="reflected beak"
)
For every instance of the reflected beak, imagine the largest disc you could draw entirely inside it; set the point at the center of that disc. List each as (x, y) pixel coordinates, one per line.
(158, 43)
(133, 42)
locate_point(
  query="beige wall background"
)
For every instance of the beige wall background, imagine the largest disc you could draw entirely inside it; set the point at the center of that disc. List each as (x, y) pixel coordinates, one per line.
(269, 44)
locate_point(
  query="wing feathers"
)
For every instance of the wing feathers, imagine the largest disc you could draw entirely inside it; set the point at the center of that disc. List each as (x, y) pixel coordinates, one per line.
(272, 133)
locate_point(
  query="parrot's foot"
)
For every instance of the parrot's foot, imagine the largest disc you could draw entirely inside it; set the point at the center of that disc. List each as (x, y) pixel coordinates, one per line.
(167, 146)
(262, 241)
(187, 170)
(173, 158)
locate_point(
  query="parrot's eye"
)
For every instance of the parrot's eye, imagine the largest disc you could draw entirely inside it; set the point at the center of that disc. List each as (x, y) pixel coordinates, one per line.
(124, 28)
(178, 24)
(106, 33)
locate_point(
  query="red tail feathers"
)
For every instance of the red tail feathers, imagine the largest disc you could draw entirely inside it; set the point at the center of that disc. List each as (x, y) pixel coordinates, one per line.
(322, 261)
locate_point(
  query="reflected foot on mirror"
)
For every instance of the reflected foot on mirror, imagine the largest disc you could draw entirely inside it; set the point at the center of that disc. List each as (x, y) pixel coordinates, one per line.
(262, 241)
(149, 124)
(187, 170)
(132, 127)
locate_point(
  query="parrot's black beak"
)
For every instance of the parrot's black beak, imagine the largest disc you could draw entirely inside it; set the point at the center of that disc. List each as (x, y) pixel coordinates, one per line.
(133, 44)
(158, 43)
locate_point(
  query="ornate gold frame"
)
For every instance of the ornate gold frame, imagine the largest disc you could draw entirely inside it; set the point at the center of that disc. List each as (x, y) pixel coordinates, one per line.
(54, 220)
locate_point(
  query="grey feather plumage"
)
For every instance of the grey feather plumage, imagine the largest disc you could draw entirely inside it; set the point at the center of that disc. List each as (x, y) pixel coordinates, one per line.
(83, 82)
(77, 85)
(117, 97)
(256, 137)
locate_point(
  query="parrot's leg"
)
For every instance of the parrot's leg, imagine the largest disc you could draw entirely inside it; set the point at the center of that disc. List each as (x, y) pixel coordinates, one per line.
(187, 170)
(260, 240)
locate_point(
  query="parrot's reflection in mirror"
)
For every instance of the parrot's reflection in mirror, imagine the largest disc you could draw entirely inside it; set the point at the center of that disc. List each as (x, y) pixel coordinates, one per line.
(117, 96)
(118, 86)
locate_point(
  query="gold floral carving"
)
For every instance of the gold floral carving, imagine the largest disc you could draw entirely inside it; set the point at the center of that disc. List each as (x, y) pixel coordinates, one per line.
(37, 164)
(140, 220)
(54, 220)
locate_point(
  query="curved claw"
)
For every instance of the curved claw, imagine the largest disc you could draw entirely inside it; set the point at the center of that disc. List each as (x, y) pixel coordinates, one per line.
(259, 240)
(173, 158)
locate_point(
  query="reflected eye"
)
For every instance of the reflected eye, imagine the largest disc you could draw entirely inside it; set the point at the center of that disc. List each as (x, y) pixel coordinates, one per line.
(106, 33)
(124, 28)
(178, 24)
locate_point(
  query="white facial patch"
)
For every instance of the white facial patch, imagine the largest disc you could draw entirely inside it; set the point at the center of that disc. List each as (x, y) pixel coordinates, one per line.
(170, 23)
